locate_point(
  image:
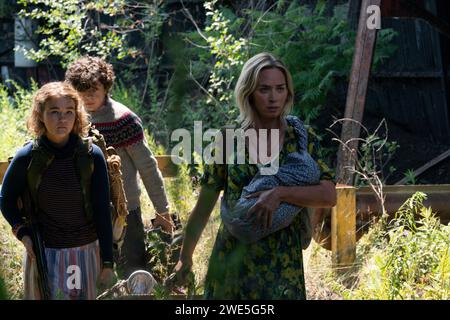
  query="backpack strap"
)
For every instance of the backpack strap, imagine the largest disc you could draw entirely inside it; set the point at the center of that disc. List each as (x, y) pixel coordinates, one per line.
(84, 163)
(40, 161)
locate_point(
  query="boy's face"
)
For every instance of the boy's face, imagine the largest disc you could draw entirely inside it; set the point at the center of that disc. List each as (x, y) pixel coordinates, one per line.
(94, 98)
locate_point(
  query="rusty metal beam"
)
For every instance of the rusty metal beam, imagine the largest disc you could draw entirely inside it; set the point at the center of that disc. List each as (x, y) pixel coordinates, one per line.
(356, 95)
(438, 198)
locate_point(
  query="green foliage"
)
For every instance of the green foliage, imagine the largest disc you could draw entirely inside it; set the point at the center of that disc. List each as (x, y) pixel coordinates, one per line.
(407, 260)
(410, 176)
(3, 293)
(140, 86)
(161, 253)
(417, 263)
(70, 28)
(227, 50)
(13, 113)
(126, 33)
(376, 153)
(315, 47)
(181, 192)
(11, 252)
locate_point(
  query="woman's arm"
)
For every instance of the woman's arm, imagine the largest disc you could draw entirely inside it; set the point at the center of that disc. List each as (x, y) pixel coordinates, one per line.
(322, 195)
(193, 230)
(197, 220)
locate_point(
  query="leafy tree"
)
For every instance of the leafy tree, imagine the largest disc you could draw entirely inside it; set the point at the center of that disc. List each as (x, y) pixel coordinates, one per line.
(317, 49)
(69, 28)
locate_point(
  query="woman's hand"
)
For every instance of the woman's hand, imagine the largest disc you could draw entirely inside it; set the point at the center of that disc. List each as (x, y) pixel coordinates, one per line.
(106, 279)
(180, 274)
(264, 208)
(26, 240)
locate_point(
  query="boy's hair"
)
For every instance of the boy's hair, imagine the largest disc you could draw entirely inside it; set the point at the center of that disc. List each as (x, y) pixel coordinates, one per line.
(56, 90)
(85, 72)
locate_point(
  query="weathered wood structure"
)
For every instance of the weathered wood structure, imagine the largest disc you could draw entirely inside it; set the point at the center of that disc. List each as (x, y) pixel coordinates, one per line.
(411, 88)
(421, 80)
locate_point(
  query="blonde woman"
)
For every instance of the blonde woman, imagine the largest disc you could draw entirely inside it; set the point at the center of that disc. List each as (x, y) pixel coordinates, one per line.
(65, 178)
(272, 267)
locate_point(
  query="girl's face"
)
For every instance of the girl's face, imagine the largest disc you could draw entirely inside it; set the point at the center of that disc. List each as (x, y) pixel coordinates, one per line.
(94, 98)
(59, 118)
(270, 95)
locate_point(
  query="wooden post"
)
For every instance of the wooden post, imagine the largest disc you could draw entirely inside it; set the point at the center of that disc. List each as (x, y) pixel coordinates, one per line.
(356, 94)
(343, 228)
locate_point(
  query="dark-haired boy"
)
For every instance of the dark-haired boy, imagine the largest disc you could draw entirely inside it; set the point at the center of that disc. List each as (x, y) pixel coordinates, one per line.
(93, 77)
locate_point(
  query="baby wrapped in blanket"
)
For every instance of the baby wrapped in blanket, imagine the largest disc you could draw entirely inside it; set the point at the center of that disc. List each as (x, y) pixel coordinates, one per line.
(299, 169)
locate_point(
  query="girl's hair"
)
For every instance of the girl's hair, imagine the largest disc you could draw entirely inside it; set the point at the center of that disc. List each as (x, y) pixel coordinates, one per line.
(56, 90)
(248, 81)
(84, 73)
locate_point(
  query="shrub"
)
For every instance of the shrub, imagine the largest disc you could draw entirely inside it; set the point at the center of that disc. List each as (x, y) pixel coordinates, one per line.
(408, 260)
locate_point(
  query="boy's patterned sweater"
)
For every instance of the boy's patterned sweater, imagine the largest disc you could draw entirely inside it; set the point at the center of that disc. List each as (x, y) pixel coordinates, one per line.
(123, 130)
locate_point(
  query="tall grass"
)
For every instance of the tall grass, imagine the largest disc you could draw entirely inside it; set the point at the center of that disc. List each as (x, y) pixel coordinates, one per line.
(407, 260)
(13, 112)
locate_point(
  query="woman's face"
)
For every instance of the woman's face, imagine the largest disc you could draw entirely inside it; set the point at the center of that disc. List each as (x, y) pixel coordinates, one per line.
(59, 118)
(94, 98)
(270, 95)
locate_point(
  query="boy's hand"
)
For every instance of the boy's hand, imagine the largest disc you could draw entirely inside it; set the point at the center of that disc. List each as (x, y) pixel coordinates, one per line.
(164, 221)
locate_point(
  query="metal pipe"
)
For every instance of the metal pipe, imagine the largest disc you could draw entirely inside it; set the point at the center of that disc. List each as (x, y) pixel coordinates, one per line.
(438, 198)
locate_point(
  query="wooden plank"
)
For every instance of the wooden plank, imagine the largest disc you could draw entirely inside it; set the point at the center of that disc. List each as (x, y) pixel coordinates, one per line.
(343, 228)
(165, 165)
(356, 96)
(426, 166)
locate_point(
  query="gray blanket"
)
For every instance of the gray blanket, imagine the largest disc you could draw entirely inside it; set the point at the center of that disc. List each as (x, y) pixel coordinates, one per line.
(299, 169)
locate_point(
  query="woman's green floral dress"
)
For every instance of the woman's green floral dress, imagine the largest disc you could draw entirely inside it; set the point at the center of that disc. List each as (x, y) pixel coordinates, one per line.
(271, 268)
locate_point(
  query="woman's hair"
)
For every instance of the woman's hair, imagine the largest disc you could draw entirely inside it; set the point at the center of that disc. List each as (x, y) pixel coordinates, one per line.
(248, 80)
(56, 90)
(84, 73)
